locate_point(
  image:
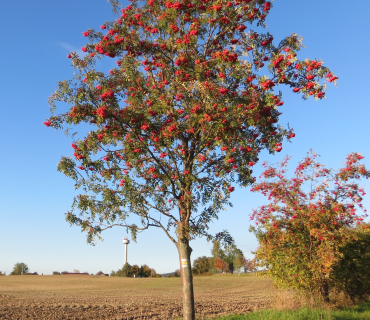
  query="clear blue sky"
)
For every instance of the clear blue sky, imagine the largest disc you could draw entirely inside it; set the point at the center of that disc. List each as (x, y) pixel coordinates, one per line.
(36, 38)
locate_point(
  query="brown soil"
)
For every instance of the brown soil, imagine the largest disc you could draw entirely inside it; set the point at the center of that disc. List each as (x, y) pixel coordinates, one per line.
(97, 297)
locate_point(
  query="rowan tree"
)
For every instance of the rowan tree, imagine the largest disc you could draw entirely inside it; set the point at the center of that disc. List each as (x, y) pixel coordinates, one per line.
(304, 227)
(181, 120)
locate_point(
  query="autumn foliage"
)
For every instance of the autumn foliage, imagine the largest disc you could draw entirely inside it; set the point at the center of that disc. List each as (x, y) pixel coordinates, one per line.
(308, 221)
(181, 119)
(221, 265)
(183, 116)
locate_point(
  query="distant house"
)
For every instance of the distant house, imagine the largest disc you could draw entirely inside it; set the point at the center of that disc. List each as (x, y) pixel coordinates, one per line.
(100, 273)
(80, 273)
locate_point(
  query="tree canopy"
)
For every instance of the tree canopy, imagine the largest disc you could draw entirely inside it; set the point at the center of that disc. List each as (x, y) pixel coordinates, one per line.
(182, 118)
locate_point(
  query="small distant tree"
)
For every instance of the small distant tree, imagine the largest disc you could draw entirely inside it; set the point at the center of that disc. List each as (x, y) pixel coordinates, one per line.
(202, 265)
(144, 271)
(216, 252)
(76, 271)
(303, 228)
(250, 265)
(230, 254)
(239, 262)
(177, 273)
(153, 273)
(221, 266)
(135, 270)
(126, 270)
(56, 273)
(2, 273)
(19, 269)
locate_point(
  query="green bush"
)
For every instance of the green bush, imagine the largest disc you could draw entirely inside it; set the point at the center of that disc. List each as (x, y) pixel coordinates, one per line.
(352, 273)
(201, 265)
(126, 271)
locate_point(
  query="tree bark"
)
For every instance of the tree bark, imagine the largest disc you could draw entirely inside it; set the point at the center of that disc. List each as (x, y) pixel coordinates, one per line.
(187, 279)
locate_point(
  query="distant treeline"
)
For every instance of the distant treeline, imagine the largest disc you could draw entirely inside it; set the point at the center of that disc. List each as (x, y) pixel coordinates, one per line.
(135, 271)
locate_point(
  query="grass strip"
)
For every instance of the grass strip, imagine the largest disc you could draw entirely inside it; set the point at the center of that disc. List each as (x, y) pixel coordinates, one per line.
(359, 312)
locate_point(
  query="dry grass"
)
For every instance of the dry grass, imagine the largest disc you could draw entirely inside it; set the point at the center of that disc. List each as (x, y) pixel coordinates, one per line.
(294, 300)
(96, 297)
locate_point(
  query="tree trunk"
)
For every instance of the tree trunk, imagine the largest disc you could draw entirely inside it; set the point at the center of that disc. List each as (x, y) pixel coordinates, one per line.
(187, 279)
(325, 291)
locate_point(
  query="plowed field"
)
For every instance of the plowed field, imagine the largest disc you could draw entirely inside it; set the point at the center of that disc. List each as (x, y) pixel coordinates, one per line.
(99, 297)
